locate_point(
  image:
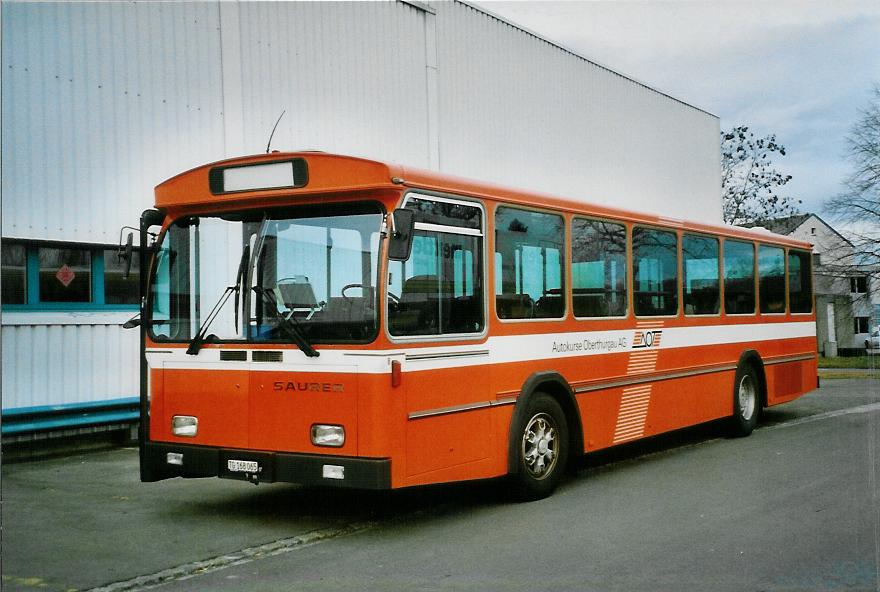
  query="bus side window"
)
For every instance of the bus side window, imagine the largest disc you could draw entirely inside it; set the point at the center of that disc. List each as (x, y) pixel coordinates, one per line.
(700, 269)
(655, 272)
(528, 264)
(439, 289)
(739, 277)
(800, 289)
(598, 268)
(771, 276)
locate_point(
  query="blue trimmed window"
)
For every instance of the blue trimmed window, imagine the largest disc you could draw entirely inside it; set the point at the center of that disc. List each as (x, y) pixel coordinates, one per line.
(64, 277)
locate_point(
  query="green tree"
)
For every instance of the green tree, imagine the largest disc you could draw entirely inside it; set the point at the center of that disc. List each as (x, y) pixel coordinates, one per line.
(749, 182)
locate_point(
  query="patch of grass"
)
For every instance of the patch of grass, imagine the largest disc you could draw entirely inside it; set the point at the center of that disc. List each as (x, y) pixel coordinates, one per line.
(853, 362)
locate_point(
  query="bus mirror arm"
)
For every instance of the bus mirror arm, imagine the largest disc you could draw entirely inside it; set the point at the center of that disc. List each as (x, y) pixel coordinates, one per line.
(124, 252)
(401, 240)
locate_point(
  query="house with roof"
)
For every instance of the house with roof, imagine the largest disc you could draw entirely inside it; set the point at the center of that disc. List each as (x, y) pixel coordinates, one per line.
(847, 301)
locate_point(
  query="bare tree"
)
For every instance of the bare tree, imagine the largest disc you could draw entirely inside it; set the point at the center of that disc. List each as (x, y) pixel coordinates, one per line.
(858, 206)
(749, 183)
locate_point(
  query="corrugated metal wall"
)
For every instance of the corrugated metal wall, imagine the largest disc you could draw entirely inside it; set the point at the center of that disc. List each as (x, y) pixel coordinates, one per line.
(520, 111)
(102, 101)
(65, 362)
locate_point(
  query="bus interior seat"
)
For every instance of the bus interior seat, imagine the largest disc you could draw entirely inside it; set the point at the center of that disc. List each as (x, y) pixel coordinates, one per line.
(514, 306)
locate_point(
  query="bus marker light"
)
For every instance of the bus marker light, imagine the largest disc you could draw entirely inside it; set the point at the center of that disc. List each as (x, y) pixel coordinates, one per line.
(184, 425)
(328, 435)
(395, 373)
(333, 472)
(174, 458)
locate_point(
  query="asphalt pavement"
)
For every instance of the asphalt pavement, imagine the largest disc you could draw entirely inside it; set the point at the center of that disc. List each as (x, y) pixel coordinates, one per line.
(793, 507)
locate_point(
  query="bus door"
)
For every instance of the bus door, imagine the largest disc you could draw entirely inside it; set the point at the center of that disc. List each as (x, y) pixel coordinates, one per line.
(436, 310)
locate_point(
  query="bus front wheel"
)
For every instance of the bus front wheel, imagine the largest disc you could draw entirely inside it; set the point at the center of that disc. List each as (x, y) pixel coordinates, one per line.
(746, 401)
(542, 448)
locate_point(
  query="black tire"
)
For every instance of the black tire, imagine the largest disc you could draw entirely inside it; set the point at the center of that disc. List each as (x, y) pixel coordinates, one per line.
(540, 442)
(746, 401)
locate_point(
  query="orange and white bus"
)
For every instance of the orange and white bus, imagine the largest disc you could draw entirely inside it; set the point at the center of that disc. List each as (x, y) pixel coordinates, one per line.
(322, 319)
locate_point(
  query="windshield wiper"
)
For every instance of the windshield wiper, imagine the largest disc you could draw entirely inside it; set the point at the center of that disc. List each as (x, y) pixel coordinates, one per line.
(196, 344)
(288, 325)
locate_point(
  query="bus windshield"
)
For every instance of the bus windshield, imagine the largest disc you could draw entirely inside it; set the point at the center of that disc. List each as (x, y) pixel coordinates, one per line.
(307, 270)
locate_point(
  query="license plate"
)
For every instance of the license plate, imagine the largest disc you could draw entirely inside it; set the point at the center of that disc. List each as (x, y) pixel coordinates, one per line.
(242, 466)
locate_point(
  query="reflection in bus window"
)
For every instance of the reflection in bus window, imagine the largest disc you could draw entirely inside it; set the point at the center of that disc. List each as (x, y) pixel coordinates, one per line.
(771, 276)
(739, 277)
(528, 264)
(598, 268)
(700, 267)
(655, 272)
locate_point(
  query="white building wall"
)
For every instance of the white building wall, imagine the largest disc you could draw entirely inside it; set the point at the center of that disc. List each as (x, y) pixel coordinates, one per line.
(102, 101)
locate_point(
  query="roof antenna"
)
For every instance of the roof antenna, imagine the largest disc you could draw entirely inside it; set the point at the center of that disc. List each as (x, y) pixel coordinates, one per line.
(273, 130)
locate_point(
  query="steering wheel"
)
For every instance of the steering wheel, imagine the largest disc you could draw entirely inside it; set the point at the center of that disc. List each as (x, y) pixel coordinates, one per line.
(349, 287)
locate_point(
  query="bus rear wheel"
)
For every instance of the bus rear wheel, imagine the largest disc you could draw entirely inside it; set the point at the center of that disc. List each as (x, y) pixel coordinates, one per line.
(541, 444)
(746, 401)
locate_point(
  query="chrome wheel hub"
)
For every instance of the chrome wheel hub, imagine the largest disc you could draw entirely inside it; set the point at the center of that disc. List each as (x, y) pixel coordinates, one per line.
(747, 397)
(540, 445)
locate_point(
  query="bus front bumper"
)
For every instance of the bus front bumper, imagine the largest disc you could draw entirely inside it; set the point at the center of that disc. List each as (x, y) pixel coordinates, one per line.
(161, 460)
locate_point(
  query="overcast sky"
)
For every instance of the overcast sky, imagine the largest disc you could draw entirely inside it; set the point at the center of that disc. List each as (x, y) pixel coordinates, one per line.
(801, 70)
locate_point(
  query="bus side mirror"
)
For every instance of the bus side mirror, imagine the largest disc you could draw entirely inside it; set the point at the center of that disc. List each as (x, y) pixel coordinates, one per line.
(125, 254)
(400, 243)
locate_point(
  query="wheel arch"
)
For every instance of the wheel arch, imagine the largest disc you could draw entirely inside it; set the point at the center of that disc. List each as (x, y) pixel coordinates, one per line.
(553, 384)
(752, 358)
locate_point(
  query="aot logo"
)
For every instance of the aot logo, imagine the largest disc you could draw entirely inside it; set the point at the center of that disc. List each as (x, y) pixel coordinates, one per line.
(314, 387)
(643, 339)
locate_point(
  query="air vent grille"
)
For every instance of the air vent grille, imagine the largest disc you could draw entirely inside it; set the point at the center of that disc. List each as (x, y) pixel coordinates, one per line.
(267, 356)
(233, 356)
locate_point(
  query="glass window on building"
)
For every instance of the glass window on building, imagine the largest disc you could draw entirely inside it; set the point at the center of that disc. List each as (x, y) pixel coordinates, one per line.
(13, 282)
(861, 324)
(65, 274)
(858, 285)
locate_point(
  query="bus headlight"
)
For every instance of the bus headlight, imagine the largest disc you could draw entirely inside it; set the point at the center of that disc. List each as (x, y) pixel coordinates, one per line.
(328, 435)
(184, 425)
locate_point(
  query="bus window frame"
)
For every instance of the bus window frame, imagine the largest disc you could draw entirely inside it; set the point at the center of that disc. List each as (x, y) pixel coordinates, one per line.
(751, 242)
(758, 310)
(678, 286)
(788, 279)
(444, 198)
(718, 239)
(566, 267)
(154, 264)
(627, 247)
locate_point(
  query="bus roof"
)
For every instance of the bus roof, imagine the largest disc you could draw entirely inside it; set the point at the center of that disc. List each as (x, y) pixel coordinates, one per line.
(334, 173)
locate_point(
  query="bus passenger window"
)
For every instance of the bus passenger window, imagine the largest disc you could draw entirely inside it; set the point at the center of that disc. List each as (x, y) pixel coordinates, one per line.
(771, 279)
(702, 295)
(739, 277)
(800, 289)
(655, 272)
(439, 289)
(528, 264)
(598, 268)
